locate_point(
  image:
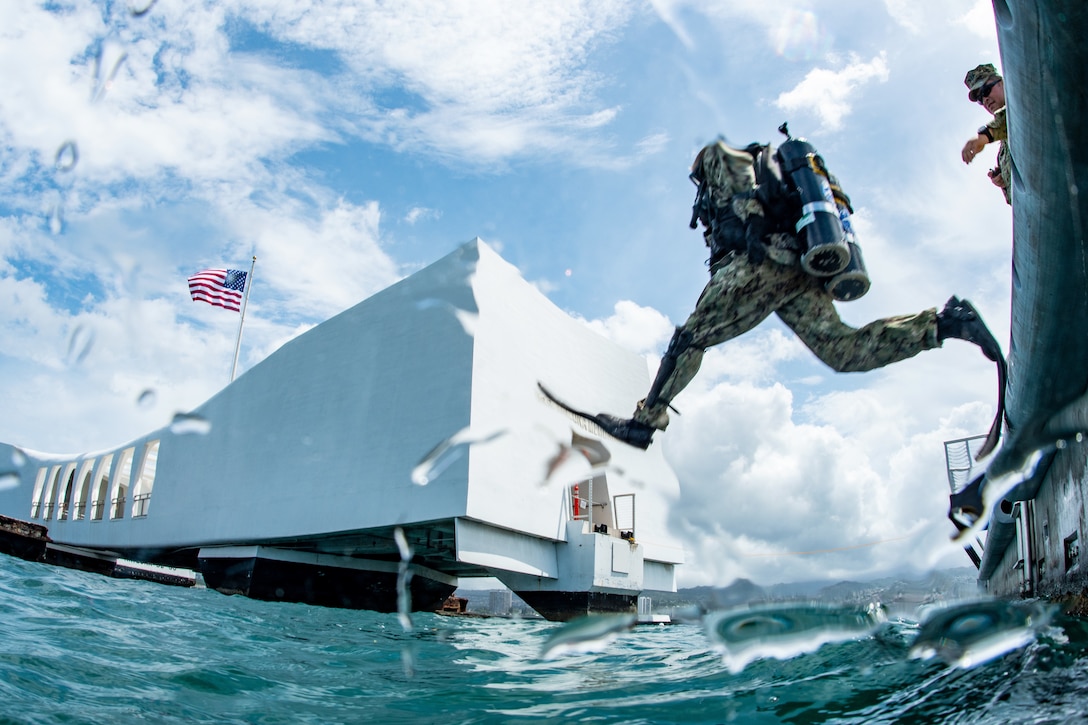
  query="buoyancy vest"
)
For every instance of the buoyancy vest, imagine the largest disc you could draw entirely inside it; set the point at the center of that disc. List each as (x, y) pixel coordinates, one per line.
(725, 176)
(799, 196)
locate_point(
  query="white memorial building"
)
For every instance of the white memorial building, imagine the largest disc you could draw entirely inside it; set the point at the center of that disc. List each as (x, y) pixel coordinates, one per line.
(411, 423)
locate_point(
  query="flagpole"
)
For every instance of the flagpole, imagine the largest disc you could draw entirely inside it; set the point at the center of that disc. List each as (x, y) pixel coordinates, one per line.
(245, 301)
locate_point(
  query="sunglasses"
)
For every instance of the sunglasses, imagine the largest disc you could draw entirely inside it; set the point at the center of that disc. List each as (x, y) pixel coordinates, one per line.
(984, 91)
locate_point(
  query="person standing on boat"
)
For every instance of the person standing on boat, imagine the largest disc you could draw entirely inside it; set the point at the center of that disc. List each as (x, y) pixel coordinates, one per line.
(986, 88)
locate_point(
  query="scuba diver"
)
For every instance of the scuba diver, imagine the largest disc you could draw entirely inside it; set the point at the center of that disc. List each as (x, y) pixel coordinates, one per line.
(777, 224)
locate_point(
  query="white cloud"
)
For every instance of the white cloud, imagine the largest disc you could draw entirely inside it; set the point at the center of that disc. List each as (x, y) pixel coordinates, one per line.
(318, 266)
(771, 499)
(639, 329)
(421, 212)
(478, 81)
(980, 19)
(666, 11)
(652, 144)
(829, 94)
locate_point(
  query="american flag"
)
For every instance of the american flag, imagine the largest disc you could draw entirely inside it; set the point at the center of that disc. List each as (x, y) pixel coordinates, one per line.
(219, 287)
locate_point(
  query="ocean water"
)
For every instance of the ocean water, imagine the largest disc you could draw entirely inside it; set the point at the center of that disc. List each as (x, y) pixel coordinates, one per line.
(81, 648)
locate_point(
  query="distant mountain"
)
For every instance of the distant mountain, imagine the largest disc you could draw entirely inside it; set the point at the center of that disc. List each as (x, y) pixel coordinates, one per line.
(937, 586)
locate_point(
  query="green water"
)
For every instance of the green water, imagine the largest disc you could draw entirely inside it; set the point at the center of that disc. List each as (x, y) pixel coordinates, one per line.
(78, 648)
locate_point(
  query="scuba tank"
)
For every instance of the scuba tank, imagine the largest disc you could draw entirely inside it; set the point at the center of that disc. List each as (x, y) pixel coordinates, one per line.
(853, 281)
(819, 228)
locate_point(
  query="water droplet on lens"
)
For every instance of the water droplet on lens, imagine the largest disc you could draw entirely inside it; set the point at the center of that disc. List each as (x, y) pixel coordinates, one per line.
(439, 458)
(586, 634)
(186, 423)
(80, 343)
(402, 544)
(971, 633)
(146, 399)
(56, 219)
(102, 86)
(138, 10)
(67, 156)
(9, 479)
(404, 578)
(786, 631)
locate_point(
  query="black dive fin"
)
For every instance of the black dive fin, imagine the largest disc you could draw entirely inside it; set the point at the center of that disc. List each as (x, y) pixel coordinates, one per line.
(562, 404)
(627, 430)
(999, 417)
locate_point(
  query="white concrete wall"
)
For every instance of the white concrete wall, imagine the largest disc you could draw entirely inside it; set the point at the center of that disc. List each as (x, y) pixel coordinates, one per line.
(323, 435)
(523, 338)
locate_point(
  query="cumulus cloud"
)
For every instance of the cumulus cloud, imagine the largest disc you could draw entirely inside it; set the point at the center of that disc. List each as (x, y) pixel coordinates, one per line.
(769, 497)
(980, 19)
(639, 329)
(478, 81)
(829, 93)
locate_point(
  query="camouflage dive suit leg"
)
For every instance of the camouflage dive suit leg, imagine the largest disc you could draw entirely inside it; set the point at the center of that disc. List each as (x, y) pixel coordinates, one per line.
(845, 349)
(740, 295)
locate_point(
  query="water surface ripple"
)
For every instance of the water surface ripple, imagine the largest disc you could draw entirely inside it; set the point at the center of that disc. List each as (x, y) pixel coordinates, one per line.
(80, 648)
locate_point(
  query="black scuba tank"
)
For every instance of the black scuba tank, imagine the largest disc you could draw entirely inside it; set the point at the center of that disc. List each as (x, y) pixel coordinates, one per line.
(818, 227)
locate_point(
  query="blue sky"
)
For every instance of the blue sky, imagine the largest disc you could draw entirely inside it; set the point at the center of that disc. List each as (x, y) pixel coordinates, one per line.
(348, 144)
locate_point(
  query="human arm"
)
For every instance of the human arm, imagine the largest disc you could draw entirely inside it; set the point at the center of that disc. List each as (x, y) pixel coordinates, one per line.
(974, 146)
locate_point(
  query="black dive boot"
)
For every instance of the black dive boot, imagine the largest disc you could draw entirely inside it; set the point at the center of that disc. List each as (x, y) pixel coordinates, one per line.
(628, 430)
(960, 320)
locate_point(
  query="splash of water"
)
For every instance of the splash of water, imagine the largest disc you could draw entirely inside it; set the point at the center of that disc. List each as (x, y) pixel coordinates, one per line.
(439, 458)
(784, 631)
(591, 633)
(189, 423)
(1018, 459)
(968, 634)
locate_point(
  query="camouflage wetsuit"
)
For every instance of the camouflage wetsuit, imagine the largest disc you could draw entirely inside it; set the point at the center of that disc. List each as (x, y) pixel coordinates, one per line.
(741, 294)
